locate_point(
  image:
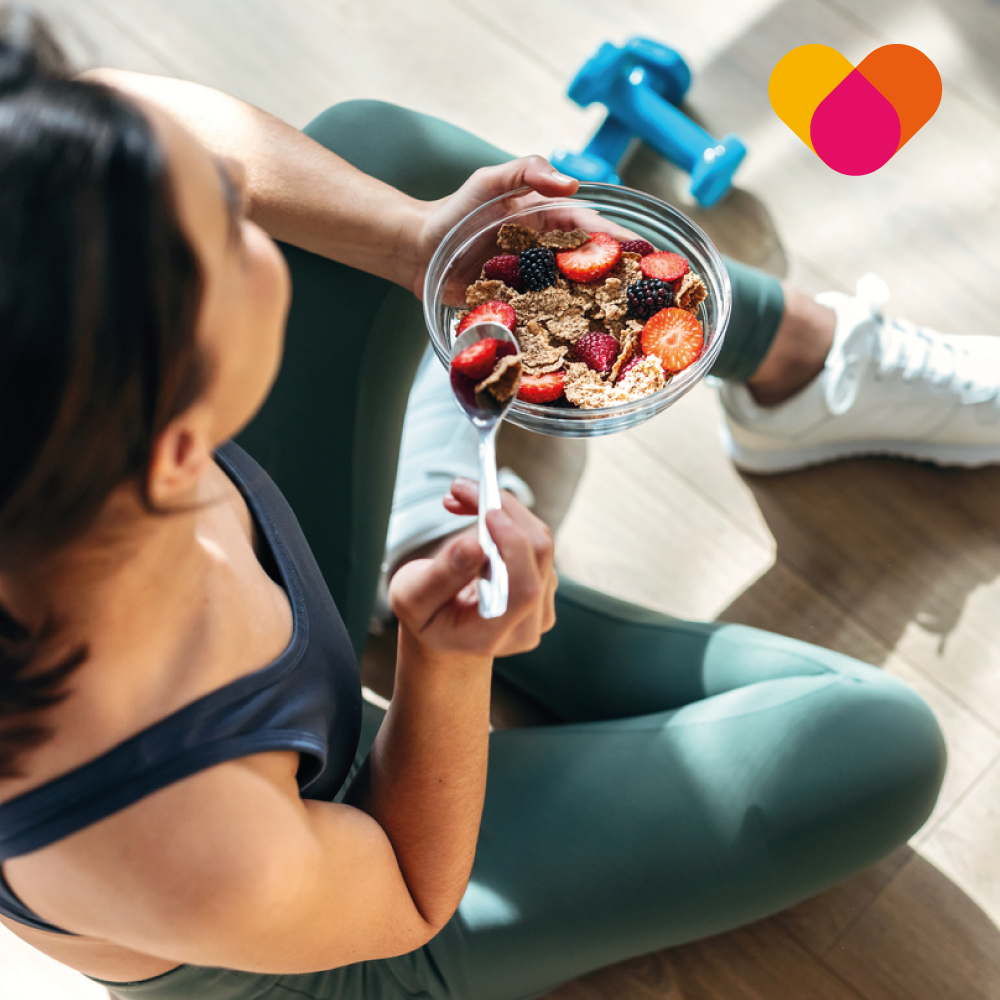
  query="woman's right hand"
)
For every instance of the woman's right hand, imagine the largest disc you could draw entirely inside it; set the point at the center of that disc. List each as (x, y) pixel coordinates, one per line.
(435, 599)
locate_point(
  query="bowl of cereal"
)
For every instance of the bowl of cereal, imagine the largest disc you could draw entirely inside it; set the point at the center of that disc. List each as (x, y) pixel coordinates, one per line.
(619, 302)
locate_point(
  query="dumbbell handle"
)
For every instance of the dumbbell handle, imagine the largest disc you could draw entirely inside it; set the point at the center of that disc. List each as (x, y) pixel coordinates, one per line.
(662, 126)
(633, 104)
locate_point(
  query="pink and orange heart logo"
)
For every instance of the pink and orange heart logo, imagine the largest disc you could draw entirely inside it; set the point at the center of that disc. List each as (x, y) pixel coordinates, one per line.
(855, 119)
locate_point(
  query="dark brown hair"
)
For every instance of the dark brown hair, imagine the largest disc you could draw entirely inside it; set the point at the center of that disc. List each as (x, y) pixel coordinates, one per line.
(99, 291)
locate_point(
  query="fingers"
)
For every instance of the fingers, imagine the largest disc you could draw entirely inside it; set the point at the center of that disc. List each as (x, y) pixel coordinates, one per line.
(464, 499)
(532, 171)
(525, 581)
(420, 588)
(545, 179)
(437, 598)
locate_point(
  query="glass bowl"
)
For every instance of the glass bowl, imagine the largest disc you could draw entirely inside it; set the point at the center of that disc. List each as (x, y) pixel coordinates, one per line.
(458, 262)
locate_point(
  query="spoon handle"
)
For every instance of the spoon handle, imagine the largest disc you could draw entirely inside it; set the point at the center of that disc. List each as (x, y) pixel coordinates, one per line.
(492, 584)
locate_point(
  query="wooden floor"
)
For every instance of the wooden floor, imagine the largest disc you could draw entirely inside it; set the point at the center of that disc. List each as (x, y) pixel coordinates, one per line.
(896, 563)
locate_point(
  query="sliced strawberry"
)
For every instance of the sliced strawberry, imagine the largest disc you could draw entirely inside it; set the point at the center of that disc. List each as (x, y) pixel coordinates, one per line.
(666, 266)
(591, 261)
(541, 388)
(675, 337)
(478, 360)
(495, 312)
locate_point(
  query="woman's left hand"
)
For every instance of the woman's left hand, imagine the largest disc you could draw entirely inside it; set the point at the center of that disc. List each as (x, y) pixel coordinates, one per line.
(484, 185)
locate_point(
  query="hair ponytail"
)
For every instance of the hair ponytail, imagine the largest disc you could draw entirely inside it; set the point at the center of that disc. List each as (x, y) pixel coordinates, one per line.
(26, 691)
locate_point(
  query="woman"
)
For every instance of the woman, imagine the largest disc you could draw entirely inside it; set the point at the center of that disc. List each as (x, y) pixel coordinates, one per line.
(195, 802)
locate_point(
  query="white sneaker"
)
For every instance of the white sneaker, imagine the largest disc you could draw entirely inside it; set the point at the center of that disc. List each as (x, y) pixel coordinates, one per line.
(438, 445)
(888, 388)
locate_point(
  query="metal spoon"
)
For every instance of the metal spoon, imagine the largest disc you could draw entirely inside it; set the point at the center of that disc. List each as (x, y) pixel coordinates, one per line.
(486, 412)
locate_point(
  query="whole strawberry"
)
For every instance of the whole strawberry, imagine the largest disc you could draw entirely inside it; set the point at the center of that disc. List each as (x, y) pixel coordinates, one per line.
(505, 268)
(598, 350)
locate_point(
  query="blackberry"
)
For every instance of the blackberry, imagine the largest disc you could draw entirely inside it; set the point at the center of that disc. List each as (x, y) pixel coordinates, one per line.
(538, 268)
(649, 296)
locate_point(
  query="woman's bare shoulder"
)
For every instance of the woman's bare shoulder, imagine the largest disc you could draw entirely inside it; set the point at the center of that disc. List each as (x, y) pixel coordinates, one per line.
(158, 863)
(230, 868)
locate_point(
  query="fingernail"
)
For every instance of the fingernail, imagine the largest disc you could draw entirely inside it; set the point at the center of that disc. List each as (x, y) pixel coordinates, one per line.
(464, 481)
(556, 176)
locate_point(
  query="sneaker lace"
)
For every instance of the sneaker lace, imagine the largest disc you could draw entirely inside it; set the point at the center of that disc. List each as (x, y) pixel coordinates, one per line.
(916, 353)
(909, 351)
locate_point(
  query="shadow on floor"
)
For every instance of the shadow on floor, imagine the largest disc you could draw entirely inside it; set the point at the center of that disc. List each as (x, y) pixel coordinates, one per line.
(889, 542)
(899, 931)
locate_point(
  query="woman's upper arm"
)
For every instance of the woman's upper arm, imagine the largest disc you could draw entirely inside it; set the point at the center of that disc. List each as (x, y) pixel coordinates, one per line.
(229, 869)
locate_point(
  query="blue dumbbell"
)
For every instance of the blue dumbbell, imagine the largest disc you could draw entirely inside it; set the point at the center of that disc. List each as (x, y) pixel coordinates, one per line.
(640, 83)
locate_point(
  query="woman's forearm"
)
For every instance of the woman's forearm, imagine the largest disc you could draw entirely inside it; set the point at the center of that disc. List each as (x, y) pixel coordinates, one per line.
(299, 191)
(425, 779)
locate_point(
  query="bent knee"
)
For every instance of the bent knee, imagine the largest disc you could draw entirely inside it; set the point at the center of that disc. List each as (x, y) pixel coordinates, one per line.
(871, 770)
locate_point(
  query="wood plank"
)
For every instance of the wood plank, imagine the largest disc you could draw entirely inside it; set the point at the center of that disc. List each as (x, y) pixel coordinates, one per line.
(934, 610)
(932, 196)
(886, 541)
(584, 25)
(966, 846)
(973, 748)
(297, 59)
(91, 39)
(782, 602)
(638, 531)
(934, 201)
(963, 35)
(923, 939)
(758, 962)
(819, 922)
(685, 440)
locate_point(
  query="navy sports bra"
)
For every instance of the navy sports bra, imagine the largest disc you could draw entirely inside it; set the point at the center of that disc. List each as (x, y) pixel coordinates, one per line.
(308, 700)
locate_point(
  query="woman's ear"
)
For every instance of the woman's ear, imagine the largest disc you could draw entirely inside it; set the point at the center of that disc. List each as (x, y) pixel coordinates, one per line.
(180, 456)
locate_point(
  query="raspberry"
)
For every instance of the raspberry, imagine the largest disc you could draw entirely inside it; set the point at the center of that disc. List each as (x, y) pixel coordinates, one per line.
(506, 269)
(631, 363)
(598, 350)
(641, 247)
(649, 296)
(538, 268)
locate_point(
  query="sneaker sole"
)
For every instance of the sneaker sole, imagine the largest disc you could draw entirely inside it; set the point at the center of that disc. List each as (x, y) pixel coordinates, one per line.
(767, 461)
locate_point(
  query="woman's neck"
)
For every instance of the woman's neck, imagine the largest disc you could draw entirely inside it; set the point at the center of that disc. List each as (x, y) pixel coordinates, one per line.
(138, 586)
(181, 607)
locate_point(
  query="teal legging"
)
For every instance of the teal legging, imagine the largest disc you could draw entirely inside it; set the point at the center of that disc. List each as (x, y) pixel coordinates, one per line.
(702, 775)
